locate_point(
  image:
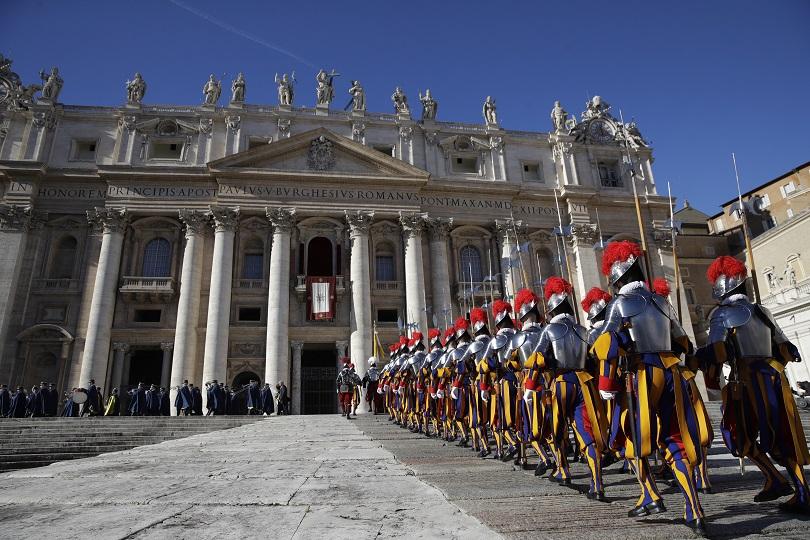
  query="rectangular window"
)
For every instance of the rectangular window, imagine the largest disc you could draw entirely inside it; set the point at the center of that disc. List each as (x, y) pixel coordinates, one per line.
(608, 175)
(690, 295)
(385, 268)
(790, 213)
(386, 149)
(160, 150)
(387, 315)
(465, 165)
(766, 201)
(790, 187)
(718, 225)
(84, 151)
(148, 315)
(254, 266)
(531, 172)
(709, 251)
(250, 314)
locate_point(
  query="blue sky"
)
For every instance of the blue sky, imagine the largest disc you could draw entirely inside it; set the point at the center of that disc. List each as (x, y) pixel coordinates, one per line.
(702, 79)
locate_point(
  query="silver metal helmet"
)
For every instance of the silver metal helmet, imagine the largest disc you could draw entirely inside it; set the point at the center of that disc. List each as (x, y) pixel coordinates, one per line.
(525, 308)
(556, 299)
(620, 268)
(725, 285)
(596, 308)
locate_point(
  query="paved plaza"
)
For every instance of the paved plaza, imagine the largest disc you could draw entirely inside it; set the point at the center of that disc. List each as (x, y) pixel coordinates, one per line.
(326, 477)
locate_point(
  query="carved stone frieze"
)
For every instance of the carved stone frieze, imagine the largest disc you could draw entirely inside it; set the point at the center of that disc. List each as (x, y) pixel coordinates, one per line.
(321, 155)
(233, 121)
(20, 218)
(284, 128)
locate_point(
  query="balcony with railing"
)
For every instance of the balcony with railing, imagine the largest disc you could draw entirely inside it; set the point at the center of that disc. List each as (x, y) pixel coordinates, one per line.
(156, 290)
(301, 286)
(479, 290)
(785, 294)
(387, 287)
(55, 285)
(249, 286)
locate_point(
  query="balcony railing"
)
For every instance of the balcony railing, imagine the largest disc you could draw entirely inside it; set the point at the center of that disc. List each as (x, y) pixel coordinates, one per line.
(56, 284)
(147, 289)
(301, 286)
(479, 289)
(787, 293)
(249, 283)
(387, 285)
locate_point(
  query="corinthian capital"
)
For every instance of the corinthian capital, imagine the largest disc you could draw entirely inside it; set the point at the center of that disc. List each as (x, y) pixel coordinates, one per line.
(413, 224)
(584, 233)
(195, 221)
(20, 218)
(359, 221)
(439, 228)
(110, 220)
(225, 219)
(282, 219)
(507, 229)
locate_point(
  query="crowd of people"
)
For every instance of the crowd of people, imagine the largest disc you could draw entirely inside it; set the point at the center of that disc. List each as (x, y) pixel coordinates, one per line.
(142, 400)
(525, 379)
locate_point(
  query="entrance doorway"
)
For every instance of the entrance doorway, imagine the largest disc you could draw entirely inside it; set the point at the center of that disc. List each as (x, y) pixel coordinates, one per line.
(145, 367)
(319, 257)
(318, 374)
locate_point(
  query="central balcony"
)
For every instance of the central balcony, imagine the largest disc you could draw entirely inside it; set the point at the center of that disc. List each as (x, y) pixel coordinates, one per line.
(480, 290)
(155, 290)
(301, 287)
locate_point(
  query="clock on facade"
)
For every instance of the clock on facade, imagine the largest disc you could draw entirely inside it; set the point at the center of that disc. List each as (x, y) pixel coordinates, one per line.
(601, 131)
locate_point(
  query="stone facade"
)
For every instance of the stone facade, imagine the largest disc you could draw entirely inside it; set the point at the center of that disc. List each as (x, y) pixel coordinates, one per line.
(124, 229)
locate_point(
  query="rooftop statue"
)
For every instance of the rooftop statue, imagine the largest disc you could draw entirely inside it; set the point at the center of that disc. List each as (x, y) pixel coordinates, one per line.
(238, 89)
(325, 91)
(51, 84)
(559, 117)
(429, 105)
(212, 90)
(358, 102)
(400, 102)
(136, 90)
(489, 112)
(286, 92)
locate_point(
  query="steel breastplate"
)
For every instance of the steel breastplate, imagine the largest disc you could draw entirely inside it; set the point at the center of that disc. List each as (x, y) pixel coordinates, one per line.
(752, 338)
(526, 342)
(649, 325)
(568, 344)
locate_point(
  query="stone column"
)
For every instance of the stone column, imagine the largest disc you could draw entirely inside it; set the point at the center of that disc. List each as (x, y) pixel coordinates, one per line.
(188, 305)
(295, 382)
(277, 351)
(585, 269)
(119, 357)
(439, 228)
(359, 223)
(166, 367)
(15, 223)
(102, 306)
(215, 360)
(510, 262)
(412, 227)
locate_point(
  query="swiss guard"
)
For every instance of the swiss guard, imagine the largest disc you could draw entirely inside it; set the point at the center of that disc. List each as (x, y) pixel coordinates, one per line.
(562, 350)
(459, 393)
(760, 420)
(480, 384)
(641, 335)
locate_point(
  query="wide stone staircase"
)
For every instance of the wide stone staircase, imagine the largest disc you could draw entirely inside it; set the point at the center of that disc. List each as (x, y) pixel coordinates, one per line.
(35, 442)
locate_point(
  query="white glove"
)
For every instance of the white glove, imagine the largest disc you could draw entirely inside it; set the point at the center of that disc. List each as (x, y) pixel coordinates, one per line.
(401, 390)
(385, 388)
(440, 394)
(380, 390)
(433, 396)
(484, 396)
(454, 393)
(606, 395)
(528, 396)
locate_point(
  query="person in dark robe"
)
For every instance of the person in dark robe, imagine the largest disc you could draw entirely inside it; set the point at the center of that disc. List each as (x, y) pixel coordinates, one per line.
(70, 409)
(283, 399)
(33, 406)
(19, 401)
(137, 404)
(152, 401)
(184, 402)
(224, 399)
(253, 398)
(91, 406)
(5, 400)
(113, 407)
(52, 403)
(165, 404)
(267, 400)
(196, 399)
(210, 399)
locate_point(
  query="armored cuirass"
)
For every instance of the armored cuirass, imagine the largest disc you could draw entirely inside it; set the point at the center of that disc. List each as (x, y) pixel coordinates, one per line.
(526, 342)
(650, 323)
(500, 345)
(752, 338)
(568, 342)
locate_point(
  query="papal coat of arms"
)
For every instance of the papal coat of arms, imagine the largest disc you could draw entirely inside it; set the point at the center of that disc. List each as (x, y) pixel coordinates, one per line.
(321, 154)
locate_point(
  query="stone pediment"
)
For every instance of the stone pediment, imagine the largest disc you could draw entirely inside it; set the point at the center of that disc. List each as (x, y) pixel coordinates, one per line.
(318, 152)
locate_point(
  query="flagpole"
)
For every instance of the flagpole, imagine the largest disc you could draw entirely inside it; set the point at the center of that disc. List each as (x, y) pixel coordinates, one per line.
(675, 255)
(599, 228)
(565, 253)
(746, 233)
(523, 274)
(489, 258)
(542, 292)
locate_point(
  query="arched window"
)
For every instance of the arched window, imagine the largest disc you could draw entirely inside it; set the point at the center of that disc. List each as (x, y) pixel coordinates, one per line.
(470, 265)
(64, 258)
(253, 260)
(319, 257)
(157, 258)
(384, 269)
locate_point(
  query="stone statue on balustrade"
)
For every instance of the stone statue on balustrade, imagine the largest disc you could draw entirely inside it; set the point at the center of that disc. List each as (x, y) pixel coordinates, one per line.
(212, 90)
(51, 84)
(358, 97)
(286, 90)
(429, 105)
(136, 90)
(559, 117)
(325, 91)
(400, 102)
(489, 112)
(238, 89)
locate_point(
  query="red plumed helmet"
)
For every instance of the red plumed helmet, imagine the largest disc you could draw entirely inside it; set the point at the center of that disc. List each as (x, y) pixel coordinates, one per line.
(461, 325)
(524, 296)
(726, 266)
(661, 287)
(557, 285)
(619, 252)
(478, 318)
(393, 347)
(450, 332)
(499, 306)
(411, 342)
(594, 295)
(433, 333)
(416, 337)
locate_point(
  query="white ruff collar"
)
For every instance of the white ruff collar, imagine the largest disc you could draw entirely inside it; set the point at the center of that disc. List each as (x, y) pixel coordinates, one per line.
(598, 324)
(632, 286)
(733, 298)
(560, 317)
